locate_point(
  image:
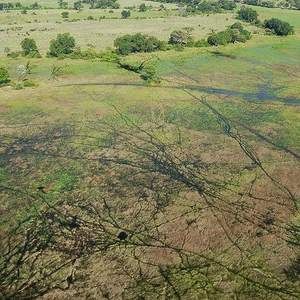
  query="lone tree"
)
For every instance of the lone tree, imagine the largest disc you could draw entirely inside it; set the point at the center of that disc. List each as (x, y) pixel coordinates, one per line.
(29, 48)
(125, 14)
(4, 75)
(63, 44)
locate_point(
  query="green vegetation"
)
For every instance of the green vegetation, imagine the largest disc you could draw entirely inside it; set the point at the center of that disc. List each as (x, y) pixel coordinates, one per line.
(104, 4)
(143, 7)
(279, 27)
(62, 45)
(4, 75)
(166, 175)
(236, 33)
(247, 14)
(65, 14)
(126, 14)
(137, 43)
(29, 48)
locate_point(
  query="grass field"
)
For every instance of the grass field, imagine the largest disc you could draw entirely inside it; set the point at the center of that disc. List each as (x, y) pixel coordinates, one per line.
(201, 171)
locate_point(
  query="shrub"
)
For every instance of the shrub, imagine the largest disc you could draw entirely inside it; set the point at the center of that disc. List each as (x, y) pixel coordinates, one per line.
(201, 43)
(65, 14)
(14, 54)
(179, 37)
(125, 14)
(4, 75)
(28, 83)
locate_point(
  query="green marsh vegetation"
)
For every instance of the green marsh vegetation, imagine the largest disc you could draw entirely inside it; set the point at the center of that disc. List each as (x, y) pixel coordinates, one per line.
(200, 172)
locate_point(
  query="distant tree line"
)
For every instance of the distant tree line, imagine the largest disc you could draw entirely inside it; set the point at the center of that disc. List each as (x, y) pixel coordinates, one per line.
(18, 5)
(63, 4)
(103, 4)
(294, 4)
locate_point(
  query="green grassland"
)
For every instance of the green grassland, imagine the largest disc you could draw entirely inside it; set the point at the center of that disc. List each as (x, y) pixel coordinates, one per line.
(201, 171)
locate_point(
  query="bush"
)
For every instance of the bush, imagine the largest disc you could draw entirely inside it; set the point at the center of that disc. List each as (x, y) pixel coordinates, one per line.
(221, 38)
(19, 86)
(201, 43)
(65, 14)
(14, 54)
(179, 37)
(279, 27)
(125, 14)
(4, 75)
(28, 83)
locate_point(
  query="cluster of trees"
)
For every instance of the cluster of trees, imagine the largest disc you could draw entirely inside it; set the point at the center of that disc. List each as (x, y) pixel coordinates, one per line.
(211, 7)
(63, 44)
(276, 26)
(29, 49)
(18, 5)
(236, 33)
(294, 4)
(279, 27)
(247, 14)
(138, 43)
(200, 6)
(104, 4)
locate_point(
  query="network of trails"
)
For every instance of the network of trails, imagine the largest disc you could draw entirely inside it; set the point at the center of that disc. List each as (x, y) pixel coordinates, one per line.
(201, 173)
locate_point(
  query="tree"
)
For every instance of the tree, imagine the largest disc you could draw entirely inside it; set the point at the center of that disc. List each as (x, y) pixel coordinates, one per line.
(279, 27)
(29, 47)
(247, 14)
(125, 14)
(63, 44)
(4, 75)
(143, 7)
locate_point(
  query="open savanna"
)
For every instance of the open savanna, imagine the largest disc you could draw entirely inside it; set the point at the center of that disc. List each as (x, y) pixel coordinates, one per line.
(201, 172)
(99, 33)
